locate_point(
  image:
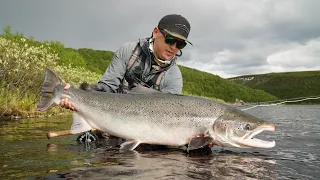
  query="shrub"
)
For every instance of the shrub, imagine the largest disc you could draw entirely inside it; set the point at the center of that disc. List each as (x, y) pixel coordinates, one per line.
(22, 65)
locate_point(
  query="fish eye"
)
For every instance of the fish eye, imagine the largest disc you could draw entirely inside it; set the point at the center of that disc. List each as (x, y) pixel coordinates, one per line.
(247, 127)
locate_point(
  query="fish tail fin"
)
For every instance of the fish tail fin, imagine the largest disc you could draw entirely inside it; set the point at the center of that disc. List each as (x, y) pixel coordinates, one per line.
(51, 80)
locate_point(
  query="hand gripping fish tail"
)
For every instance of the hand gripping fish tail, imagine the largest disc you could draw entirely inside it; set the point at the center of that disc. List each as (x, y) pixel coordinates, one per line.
(157, 118)
(50, 86)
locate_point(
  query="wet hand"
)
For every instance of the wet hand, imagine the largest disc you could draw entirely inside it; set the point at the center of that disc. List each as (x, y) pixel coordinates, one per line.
(65, 101)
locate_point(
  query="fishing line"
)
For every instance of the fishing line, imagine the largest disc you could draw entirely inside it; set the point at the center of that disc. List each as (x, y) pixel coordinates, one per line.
(292, 100)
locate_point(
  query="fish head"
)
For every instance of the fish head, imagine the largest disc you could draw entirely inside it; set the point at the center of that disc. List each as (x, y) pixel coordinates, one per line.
(235, 128)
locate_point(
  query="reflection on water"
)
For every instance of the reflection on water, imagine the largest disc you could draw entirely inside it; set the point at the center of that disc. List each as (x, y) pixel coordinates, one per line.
(172, 164)
(27, 153)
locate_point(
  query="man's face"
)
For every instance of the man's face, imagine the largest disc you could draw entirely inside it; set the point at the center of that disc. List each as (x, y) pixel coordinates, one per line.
(161, 49)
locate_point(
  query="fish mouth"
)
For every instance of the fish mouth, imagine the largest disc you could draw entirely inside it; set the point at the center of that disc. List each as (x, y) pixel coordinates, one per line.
(249, 139)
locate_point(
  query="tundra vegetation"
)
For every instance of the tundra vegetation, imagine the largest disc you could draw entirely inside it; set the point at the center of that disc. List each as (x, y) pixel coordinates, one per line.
(23, 61)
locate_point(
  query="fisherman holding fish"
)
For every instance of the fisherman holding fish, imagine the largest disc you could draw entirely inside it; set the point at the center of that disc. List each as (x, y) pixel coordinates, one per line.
(151, 62)
(150, 65)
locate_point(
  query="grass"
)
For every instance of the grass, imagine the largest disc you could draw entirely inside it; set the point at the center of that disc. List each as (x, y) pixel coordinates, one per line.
(17, 105)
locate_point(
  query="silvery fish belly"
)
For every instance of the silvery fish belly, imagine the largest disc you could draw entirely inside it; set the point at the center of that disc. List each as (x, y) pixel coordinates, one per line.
(157, 118)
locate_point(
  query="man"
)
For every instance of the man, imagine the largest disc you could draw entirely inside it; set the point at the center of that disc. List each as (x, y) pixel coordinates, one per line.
(151, 62)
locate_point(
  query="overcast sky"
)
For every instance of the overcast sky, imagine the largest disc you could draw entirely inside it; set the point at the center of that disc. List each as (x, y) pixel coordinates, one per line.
(230, 37)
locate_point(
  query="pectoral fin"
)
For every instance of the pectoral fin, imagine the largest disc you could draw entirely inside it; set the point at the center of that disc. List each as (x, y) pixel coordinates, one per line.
(199, 142)
(129, 145)
(79, 124)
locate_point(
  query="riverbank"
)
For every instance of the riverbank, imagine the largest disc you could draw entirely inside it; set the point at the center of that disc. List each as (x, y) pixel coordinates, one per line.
(19, 115)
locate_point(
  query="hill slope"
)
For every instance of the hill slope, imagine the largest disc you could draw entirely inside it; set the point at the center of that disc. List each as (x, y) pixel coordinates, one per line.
(205, 84)
(284, 85)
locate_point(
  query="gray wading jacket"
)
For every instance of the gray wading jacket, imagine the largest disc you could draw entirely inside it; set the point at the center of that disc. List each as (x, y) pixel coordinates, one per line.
(112, 79)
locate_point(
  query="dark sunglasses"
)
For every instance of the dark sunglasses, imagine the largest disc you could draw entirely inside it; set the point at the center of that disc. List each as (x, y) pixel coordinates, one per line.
(170, 40)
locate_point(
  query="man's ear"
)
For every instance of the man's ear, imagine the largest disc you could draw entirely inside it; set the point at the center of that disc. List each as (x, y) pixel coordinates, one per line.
(155, 32)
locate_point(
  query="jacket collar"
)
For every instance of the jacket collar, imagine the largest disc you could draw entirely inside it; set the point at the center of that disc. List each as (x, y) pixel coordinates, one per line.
(144, 44)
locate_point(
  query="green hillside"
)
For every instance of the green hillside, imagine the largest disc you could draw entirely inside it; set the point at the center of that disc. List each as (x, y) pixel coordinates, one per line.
(23, 61)
(284, 85)
(96, 60)
(205, 84)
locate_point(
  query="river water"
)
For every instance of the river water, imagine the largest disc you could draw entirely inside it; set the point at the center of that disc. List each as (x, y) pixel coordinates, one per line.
(26, 153)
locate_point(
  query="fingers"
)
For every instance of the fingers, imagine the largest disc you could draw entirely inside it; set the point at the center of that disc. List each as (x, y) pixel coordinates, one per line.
(211, 144)
(67, 87)
(69, 105)
(66, 104)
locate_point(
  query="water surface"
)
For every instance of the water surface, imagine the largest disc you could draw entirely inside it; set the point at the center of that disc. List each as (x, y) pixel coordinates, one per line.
(26, 153)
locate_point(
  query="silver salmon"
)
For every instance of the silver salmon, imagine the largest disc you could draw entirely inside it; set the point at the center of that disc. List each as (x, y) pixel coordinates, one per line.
(156, 117)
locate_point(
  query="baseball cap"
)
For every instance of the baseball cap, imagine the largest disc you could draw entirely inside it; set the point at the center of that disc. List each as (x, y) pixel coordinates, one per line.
(175, 25)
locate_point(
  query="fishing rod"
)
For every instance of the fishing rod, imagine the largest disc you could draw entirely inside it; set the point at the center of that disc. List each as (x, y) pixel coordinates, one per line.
(278, 102)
